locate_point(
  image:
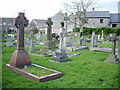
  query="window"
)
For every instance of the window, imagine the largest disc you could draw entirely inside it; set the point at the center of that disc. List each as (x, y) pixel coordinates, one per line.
(101, 20)
(114, 25)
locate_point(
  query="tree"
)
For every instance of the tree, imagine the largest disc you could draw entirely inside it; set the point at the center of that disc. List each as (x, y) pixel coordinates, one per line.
(79, 8)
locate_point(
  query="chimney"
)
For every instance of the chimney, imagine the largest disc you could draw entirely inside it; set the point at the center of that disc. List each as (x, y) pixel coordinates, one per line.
(93, 9)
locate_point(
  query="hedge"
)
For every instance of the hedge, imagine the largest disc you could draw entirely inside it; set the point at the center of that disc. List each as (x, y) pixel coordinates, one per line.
(106, 30)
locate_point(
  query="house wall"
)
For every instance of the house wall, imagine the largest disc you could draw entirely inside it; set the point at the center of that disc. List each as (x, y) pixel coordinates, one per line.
(95, 22)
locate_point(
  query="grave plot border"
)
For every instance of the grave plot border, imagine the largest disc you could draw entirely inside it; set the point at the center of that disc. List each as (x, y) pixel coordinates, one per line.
(53, 76)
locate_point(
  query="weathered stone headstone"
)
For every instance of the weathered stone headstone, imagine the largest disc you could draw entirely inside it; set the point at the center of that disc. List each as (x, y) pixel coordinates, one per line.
(38, 37)
(98, 37)
(20, 56)
(9, 43)
(118, 54)
(102, 37)
(32, 49)
(82, 41)
(112, 57)
(94, 40)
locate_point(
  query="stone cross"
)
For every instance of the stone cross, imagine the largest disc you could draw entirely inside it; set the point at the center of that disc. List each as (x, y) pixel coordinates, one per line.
(20, 22)
(66, 19)
(49, 29)
(20, 57)
(113, 44)
(62, 40)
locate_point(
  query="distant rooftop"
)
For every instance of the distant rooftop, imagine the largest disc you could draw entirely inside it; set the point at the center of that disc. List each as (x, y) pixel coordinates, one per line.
(115, 17)
(98, 14)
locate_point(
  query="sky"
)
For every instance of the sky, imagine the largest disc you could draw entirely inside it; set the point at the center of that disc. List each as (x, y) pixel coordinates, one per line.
(42, 9)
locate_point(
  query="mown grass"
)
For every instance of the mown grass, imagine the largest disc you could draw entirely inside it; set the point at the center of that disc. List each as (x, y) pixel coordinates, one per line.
(87, 70)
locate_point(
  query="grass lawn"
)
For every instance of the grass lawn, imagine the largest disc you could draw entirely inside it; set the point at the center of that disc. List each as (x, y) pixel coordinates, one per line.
(87, 70)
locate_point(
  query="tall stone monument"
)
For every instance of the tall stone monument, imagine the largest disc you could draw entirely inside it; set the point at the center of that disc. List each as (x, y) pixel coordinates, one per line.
(50, 43)
(20, 57)
(61, 56)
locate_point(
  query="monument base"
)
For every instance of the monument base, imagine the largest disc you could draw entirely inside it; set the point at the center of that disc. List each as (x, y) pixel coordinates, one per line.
(20, 58)
(111, 59)
(55, 75)
(59, 57)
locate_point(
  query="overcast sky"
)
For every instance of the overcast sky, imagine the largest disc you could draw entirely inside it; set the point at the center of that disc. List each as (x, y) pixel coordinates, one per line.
(42, 9)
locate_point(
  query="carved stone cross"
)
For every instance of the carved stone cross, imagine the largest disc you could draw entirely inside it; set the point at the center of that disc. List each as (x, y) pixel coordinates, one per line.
(20, 22)
(49, 29)
(66, 19)
(20, 57)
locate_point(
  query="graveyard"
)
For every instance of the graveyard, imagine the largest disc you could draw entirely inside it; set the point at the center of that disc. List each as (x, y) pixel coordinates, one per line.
(34, 60)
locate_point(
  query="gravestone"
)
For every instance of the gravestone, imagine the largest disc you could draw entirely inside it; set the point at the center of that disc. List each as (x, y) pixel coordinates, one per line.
(110, 37)
(98, 37)
(102, 37)
(9, 43)
(82, 41)
(50, 44)
(65, 20)
(112, 57)
(38, 37)
(27, 42)
(94, 40)
(118, 54)
(32, 49)
(20, 56)
(61, 56)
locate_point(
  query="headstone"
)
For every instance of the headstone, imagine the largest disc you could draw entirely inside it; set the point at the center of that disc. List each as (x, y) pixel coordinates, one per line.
(27, 42)
(102, 37)
(110, 37)
(98, 37)
(20, 56)
(118, 54)
(82, 41)
(32, 49)
(94, 40)
(61, 56)
(38, 37)
(112, 57)
(9, 43)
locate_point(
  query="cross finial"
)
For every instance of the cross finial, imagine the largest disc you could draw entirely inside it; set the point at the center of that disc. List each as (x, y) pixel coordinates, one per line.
(21, 20)
(49, 22)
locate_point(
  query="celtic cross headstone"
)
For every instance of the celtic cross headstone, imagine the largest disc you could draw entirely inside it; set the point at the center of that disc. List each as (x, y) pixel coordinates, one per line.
(20, 56)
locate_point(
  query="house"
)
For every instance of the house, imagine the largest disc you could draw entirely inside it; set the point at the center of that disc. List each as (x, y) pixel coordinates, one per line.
(7, 24)
(57, 19)
(94, 19)
(115, 20)
(40, 24)
(97, 19)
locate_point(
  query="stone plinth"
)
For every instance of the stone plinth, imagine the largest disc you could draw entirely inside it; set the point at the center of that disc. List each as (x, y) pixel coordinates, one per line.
(20, 58)
(60, 57)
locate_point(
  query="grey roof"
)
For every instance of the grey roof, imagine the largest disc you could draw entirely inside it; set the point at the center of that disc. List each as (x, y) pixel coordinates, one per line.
(7, 21)
(40, 22)
(115, 18)
(98, 14)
